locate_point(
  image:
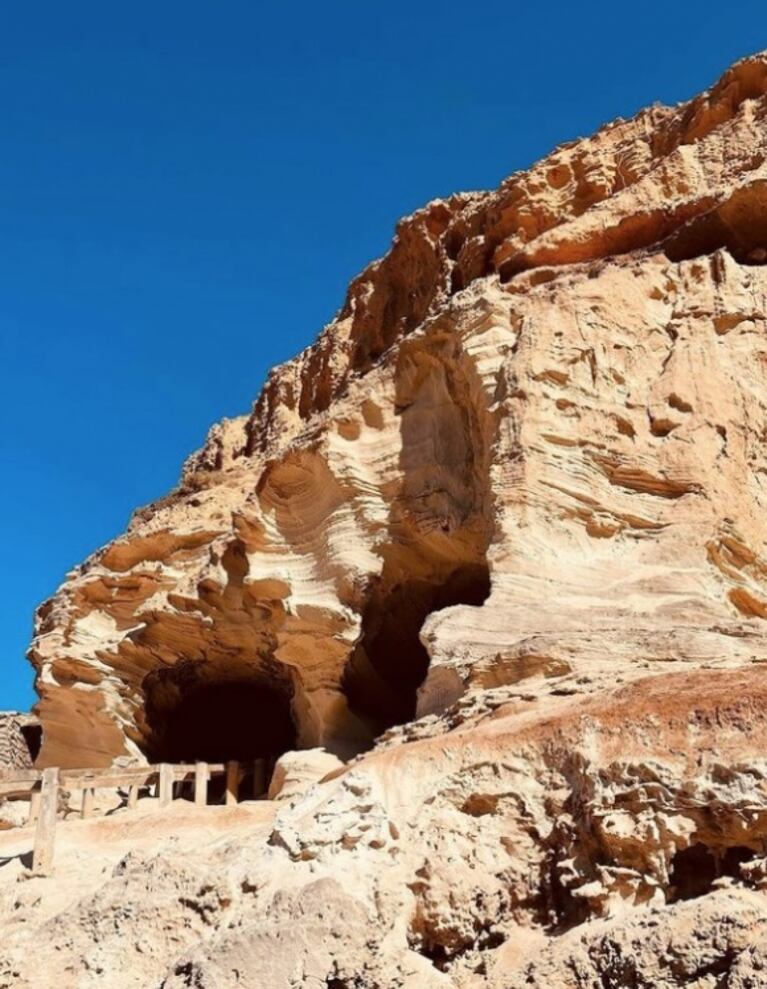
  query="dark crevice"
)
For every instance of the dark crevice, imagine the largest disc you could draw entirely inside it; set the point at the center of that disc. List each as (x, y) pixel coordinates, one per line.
(454, 241)
(559, 909)
(442, 956)
(719, 967)
(733, 858)
(457, 281)
(33, 737)
(390, 662)
(437, 954)
(738, 225)
(695, 869)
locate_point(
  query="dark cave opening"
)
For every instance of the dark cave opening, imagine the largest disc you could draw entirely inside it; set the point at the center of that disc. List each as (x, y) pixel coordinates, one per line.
(390, 662)
(733, 858)
(198, 717)
(33, 737)
(694, 869)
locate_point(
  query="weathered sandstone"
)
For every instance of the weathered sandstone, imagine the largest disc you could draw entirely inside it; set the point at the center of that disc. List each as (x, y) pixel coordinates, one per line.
(19, 740)
(498, 539)
(19, 745)
(295, 772)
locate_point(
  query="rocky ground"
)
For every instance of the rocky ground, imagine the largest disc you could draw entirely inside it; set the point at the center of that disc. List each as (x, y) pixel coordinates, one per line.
(496, 541)
(612, 840)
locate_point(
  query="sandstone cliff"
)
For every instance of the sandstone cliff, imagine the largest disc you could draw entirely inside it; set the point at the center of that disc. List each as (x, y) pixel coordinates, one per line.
(507, 517)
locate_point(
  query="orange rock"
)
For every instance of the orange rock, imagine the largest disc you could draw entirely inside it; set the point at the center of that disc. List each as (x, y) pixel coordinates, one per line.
(507, 516)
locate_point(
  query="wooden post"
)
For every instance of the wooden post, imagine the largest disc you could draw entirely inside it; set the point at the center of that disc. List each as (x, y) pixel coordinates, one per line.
(132, 796)
(42, 856)
(87, 808)
(166, 783)
(259, 779)
(232, 782)
(201, 783)
(34, 805)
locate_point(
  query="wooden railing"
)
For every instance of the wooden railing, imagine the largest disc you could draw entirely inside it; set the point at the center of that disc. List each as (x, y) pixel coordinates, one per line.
(44, 787)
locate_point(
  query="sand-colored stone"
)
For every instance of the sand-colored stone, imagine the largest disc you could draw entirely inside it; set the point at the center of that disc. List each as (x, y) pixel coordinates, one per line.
(295, 772)
(508, 516)
(512, 844)
(19, 737)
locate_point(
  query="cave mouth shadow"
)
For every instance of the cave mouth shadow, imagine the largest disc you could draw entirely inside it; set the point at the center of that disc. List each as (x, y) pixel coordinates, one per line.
(695, 868)
(216, 720)
(390, 662)
(33, 738)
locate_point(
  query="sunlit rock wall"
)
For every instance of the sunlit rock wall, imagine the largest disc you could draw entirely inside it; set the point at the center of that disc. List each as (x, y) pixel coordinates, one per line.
(530, 449)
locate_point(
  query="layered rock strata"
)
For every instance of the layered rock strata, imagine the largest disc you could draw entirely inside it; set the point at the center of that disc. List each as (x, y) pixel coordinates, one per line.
(529, 446)
(20, 736)
(507, 518)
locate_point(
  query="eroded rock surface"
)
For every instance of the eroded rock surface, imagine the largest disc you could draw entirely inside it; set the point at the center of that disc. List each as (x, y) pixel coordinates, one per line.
(507, 517)
(20, 736)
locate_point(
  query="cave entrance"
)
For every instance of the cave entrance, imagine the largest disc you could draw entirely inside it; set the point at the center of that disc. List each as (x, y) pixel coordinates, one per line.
(191, 715)
(694, 869)
(390, 662)
(692, 872)
(33, 738)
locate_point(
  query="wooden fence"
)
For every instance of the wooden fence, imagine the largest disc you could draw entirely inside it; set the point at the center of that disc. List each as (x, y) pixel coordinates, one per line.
(43, 789)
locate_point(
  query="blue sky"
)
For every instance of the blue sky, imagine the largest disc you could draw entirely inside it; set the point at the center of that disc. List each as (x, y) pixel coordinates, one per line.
(186, 189)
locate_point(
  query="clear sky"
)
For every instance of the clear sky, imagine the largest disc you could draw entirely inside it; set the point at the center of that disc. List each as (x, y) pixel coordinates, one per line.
(187, 187)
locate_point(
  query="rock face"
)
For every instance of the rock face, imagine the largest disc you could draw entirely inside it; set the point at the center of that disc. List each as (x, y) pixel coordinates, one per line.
(506, 515)
(295, 772)
(19, 745)
(19, 740)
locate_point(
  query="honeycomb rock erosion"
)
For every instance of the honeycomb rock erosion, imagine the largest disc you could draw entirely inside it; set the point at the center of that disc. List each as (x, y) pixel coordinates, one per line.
(504, 524)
